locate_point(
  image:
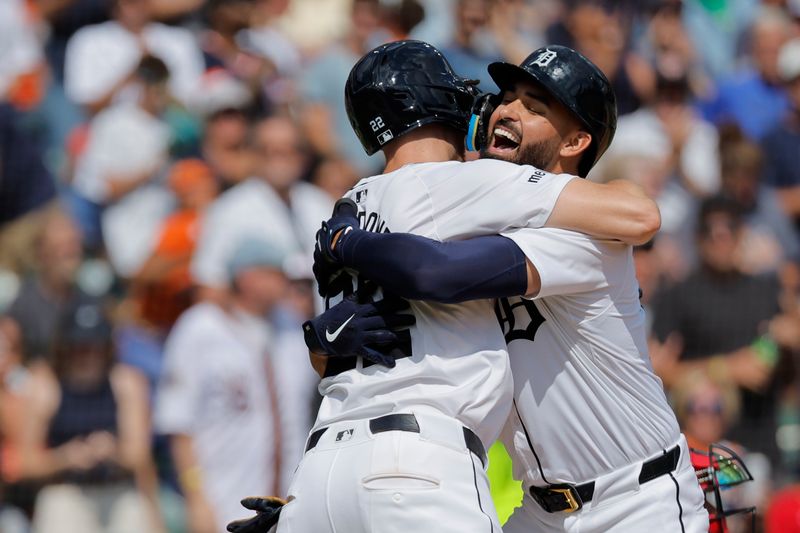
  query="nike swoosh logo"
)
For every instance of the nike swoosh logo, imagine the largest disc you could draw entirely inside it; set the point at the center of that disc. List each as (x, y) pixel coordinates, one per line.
(332, 336)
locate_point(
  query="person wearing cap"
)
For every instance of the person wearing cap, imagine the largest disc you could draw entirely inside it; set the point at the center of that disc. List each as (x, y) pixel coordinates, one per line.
(86, 434)
(590, 432)
(781, 145)
(218, 396)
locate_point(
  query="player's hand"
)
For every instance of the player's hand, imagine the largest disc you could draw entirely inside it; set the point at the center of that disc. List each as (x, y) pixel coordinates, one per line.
(268, 510)
(332, 235)
(351, 329)
(324, 272)
(330, 242)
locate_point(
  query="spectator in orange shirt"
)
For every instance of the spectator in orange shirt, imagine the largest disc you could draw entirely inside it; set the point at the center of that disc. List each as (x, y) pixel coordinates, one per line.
(162, 289)
(164, 283)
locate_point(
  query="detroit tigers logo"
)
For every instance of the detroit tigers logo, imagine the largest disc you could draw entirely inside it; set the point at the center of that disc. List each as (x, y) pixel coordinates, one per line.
(519, 318)
(544, 59)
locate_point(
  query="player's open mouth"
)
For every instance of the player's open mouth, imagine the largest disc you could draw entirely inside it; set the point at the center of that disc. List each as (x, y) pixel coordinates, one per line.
(504, 140)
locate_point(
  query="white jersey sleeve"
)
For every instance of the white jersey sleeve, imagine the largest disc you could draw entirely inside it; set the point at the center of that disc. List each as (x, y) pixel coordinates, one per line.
(568, 262)
(179, 390)
(487, 196)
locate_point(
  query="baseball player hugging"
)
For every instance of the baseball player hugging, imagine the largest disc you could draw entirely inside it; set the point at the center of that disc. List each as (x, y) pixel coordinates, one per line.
(407, 412)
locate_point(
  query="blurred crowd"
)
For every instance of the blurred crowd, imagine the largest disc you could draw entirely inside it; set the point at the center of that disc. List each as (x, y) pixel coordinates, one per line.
(164, 165)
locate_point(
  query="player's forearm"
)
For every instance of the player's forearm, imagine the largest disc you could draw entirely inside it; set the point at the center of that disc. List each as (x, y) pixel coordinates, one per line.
(417, 268)
(617, 210)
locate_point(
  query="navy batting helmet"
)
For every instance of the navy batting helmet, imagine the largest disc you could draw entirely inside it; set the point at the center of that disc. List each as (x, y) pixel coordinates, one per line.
(577, 83)
(401, 86)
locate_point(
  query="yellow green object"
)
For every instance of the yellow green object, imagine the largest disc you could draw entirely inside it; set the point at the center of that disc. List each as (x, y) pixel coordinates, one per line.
(506, 491)
(767, 350)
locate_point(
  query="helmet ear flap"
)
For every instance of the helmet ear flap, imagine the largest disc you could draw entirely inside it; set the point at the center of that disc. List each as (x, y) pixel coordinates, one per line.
(478, 129)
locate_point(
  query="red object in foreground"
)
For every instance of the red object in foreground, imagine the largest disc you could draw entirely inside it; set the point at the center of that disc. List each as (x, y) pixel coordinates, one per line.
(783, 514)
(719, 469)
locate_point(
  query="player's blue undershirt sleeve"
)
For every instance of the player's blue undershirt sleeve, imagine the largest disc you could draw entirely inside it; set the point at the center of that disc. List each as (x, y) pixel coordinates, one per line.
(418, 268)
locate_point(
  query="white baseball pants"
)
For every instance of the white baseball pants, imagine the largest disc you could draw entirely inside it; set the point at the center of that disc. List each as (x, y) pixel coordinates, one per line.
(671, 503)
(353, 481)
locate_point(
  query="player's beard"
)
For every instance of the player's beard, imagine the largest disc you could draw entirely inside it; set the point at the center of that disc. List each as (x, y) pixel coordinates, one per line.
(540, 154)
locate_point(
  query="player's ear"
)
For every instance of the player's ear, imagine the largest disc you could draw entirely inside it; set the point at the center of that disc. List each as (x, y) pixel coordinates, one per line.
(575, 144)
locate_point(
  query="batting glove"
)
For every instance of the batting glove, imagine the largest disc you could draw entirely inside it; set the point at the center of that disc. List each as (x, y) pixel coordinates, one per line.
(325, 272)
(351, 329)
(267, 509)
(332, 235)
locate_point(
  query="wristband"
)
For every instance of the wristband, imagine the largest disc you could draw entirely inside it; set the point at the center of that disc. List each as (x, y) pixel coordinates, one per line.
(766, 349)
(191, 479)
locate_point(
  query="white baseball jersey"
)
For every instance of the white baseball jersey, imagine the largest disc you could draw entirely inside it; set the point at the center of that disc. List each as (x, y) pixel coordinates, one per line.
(458, 364)
(586, 399)
(215, 389)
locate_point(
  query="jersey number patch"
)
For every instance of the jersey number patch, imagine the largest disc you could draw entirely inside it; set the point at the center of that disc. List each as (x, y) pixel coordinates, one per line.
(519, 320)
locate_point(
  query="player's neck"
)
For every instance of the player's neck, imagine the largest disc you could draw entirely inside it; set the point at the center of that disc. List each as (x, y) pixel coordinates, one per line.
(423, 145)
(562, 167)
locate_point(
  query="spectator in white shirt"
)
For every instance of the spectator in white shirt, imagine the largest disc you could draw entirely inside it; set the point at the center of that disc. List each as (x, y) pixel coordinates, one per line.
(671, 130)
(218, 398)
(101, 58)
(275, 204)
(127, 145)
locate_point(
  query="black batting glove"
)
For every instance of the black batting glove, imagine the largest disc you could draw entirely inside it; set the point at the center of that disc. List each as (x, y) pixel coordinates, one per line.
(333, 233)
(351, 329)
(268, 510)
(330, 242)
(324, 272)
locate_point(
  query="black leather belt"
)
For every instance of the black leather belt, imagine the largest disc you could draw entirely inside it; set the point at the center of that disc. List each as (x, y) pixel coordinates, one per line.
(569, 498)
(406, 422)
